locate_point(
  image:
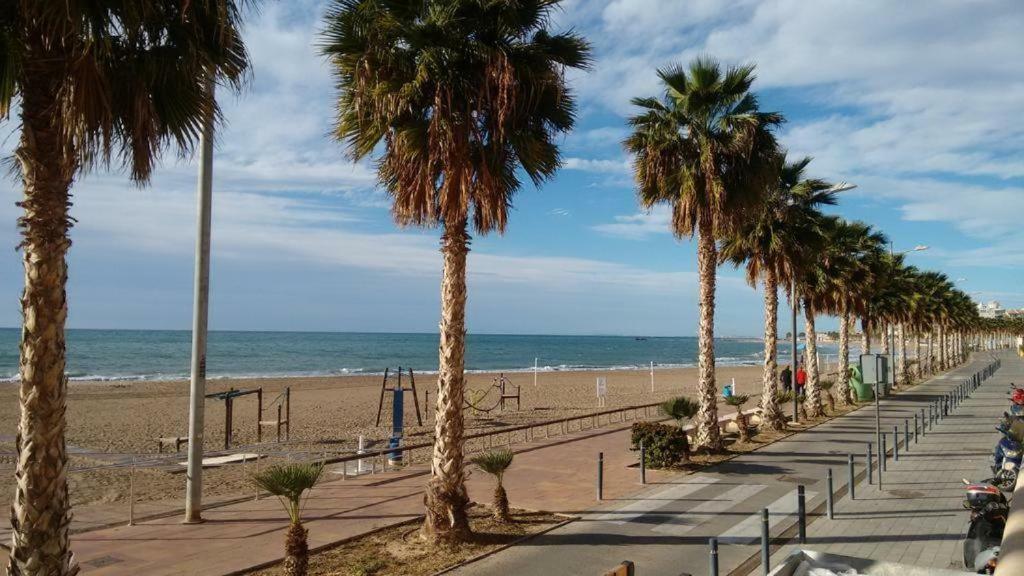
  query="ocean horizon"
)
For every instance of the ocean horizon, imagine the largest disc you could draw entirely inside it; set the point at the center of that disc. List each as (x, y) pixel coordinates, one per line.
(97, 354)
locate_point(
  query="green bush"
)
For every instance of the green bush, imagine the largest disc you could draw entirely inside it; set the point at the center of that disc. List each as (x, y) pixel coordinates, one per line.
(665, 446)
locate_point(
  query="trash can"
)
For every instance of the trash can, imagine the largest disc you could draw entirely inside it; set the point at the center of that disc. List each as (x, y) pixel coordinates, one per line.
(727, 391)
(863, 391)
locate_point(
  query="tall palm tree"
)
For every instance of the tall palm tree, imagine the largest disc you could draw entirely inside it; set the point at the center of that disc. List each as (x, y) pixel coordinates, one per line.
(96, 84)
(851, 245)
(458, 95)
(771, 244)
(290, 484)
(707, 150)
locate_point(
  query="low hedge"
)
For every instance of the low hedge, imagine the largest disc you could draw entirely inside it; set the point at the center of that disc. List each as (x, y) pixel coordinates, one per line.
(664, 446)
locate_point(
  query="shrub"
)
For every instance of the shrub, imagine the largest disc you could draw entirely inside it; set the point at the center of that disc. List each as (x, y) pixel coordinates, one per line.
(665, 446)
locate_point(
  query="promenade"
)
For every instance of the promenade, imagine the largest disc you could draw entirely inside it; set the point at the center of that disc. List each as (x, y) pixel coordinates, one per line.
(665, 529)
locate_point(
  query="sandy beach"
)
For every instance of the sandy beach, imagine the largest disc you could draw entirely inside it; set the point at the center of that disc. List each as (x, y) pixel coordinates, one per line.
(109, 421)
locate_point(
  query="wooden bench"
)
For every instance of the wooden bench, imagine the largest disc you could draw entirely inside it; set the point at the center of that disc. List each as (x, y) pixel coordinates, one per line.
(175, 441)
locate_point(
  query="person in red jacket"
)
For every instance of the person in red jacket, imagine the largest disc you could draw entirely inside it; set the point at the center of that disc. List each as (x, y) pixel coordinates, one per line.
(801, 380)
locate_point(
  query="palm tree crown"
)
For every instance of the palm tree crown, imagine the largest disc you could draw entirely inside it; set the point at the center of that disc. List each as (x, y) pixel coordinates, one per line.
(462, 94)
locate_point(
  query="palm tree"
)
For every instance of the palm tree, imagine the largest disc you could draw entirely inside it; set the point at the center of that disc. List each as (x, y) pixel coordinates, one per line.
(96, 84)
(850, 246)
(826, 389)
(457, 95)
(706, 150)
(496, 463)
(290, 483)
(770, 244)
(737, 402)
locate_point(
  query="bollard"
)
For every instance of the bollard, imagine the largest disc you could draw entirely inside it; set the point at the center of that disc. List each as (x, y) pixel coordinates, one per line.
(829, 495)
(896, 443)
(713, 545)
(851, 487)
(915, 427)
(906, 435)
(600, 475)
(643, 463)
(883, 455)
(765, 556)
(801, 514)
(871, 466)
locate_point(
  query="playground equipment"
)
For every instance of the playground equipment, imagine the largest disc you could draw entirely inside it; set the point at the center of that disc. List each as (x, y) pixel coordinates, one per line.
(397, 391)
(502, 386)
(283, 401)
(229, 409)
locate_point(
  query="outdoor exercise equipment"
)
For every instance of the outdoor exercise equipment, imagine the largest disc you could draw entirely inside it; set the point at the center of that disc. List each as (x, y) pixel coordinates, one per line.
(500, 389)
(397, 390)
(229, 407)
(283, 401)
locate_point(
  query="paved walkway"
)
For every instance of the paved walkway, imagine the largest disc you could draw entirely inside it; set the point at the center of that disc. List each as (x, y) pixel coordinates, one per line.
(248, 534)
(919, 517)
(665, 529)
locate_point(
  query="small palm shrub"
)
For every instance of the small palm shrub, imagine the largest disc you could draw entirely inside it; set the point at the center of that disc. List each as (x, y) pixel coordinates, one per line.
(496, 463)
(664, 446)
(737, 402)
(679, 408)
(289, 483)
(826, 388)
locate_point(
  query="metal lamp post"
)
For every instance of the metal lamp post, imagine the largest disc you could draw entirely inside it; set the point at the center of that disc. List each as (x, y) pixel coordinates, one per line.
(197, 387)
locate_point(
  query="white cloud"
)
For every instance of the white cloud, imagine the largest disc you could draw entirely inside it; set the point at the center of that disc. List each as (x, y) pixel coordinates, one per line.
(597, 165)
(640, 225)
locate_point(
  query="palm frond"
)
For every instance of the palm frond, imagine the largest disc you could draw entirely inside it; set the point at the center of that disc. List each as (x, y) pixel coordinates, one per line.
(495, 462)
(679, 408)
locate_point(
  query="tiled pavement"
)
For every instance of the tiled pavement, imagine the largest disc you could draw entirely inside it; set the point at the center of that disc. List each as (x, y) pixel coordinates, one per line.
(918, 518)
(665, 529)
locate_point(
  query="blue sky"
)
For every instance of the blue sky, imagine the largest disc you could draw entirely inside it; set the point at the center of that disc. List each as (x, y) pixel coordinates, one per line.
(918, 103)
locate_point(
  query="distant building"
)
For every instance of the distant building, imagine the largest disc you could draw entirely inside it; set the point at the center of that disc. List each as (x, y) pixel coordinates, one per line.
(991, 309)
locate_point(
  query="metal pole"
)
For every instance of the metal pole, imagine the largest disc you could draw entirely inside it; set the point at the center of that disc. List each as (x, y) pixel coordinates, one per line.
(643, 464)
(792, 351)
(200, 308)
(801, 514)
(850, 484)
(916, 425)
(131, 494)
(906, 435)
(765, 556)
(713, 545)
(878, 433)
(883, 455)
(600, 475)
(896, 443)
(828, 501)
(871, 466)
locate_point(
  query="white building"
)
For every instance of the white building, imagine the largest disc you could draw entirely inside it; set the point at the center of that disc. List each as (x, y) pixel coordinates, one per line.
(991, 309)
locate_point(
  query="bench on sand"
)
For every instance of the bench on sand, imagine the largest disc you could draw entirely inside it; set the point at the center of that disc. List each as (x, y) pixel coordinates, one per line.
(175, 441)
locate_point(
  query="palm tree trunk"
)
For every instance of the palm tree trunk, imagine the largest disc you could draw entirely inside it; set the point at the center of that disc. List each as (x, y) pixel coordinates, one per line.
(918, 368)
(843, 379)
(813, 389)
(942, 348)
(771, 414)
(446, 499)
(296, 550)
(931, 351)
(901, 344)
(40, 512)
(885, 340)
(706, 428)
(501, 504)
(865, 336)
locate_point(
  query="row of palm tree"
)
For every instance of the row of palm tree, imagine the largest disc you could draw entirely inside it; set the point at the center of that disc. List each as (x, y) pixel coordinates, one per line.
(706, 149)
(457, 99)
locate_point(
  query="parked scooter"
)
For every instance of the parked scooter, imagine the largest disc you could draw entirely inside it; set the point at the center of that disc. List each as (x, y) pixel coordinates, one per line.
(1016, 400)
(1006, 459)
(989, 509)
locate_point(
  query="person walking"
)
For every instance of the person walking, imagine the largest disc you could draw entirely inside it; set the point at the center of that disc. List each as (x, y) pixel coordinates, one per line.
(801, 380)
(786, 379)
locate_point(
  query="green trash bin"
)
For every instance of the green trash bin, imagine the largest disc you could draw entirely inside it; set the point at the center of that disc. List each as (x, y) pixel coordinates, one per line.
(864, 392)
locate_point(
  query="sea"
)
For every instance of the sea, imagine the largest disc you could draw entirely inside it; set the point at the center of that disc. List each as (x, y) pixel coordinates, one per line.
(164, 354)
